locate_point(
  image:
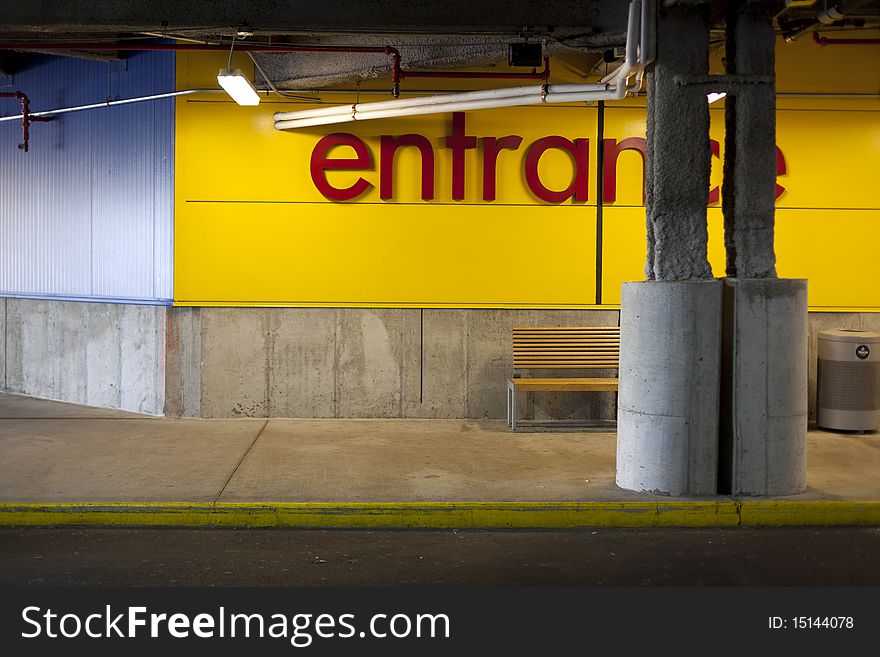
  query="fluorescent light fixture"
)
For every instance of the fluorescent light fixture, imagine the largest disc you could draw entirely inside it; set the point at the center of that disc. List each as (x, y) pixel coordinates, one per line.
(712, 97)
(238, 86)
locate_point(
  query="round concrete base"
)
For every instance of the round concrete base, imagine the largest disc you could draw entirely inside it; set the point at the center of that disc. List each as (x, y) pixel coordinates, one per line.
(764, 406)
(670, 363)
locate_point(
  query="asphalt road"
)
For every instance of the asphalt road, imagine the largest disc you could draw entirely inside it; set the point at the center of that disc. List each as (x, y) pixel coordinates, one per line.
(597, 557)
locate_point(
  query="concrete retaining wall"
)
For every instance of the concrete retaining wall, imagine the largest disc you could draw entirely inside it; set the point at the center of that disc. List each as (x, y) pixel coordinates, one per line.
(99, 354)
(3, 343)
(295, 362)
(291, 362)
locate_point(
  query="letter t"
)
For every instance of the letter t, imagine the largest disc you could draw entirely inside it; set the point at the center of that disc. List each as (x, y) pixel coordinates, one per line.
(458, 142)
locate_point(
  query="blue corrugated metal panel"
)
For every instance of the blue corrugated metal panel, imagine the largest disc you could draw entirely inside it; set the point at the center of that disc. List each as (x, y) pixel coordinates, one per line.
(88, 212)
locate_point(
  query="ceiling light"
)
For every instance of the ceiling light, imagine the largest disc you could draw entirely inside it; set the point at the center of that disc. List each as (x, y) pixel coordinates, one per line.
(712, 97)
(238, 86)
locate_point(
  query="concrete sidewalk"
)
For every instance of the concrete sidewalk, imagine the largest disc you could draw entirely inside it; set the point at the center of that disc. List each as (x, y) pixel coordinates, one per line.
(63, 463)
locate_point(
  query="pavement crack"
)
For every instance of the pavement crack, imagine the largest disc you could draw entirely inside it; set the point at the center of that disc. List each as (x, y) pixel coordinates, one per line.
(240, 461)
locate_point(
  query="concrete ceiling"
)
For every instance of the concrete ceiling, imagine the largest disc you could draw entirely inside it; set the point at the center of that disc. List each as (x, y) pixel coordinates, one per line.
(428, 33)
(559, 18)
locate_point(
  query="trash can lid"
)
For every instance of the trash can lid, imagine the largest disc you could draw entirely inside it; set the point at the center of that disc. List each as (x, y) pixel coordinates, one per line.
(850, 335)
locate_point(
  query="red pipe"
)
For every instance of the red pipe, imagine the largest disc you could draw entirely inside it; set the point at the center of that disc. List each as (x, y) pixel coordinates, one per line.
(244, 47)
(26, 118)
(535, 75)
(825, 41)
(397, 73)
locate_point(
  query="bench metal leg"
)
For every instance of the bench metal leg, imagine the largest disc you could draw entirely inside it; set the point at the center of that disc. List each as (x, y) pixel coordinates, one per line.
(511, 405)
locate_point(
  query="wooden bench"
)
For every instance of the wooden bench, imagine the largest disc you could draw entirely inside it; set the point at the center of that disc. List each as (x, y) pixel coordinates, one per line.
(562, 348)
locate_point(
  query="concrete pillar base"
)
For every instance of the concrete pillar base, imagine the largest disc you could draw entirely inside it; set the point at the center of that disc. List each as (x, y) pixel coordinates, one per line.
(670, 353)
(764, 387)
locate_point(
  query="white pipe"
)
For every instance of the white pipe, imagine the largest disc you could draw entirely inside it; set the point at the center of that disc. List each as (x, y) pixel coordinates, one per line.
(438, 107)
(359, 108)
(526, 96)
(639, 40)
(575, 88)
(584, 96)
(110, 103)
(312, 121)
(365, 110)
(633, 28)
(601, 93)
(611, 76)
(631, 60)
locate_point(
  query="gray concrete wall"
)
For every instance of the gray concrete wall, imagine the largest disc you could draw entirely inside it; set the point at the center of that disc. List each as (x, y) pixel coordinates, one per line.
(3, 343)
(296, 362)
(436, 363)
(290, 362)
(100, 354)
(183, 363)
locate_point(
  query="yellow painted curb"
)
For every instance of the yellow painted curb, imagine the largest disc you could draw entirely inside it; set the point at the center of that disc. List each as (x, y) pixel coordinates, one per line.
(438, 515)
(441, 515)
(146, 514)
(478, 515)
(759, 513)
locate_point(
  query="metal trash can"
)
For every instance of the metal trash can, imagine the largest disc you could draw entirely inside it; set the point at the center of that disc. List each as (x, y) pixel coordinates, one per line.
(848, 380)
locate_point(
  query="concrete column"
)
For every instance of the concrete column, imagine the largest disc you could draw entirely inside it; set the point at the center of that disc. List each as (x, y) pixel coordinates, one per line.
(678, 154)
(765, 372)
(764, 387)
(667, 436)
(749, 188)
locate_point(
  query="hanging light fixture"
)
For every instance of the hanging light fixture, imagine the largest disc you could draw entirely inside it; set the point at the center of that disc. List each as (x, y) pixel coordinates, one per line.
(236, 84)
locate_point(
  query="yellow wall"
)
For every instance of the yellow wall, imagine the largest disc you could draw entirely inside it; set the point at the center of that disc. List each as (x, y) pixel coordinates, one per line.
(827, 219)
(252, 229)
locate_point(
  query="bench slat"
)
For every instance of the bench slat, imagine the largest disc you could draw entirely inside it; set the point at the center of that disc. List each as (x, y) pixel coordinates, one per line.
(592, 364)
(558, 336)
(564, 358)
(567, 351)
(568, 384)
(568, 356)
(568, 366)
(569, 329)
(567, 345)
(553, 335)
(612, 341)
(558, 363)
(566, 336)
